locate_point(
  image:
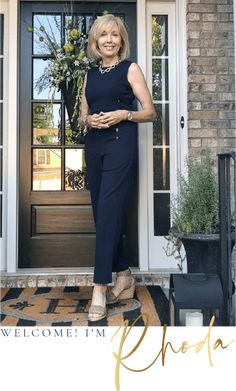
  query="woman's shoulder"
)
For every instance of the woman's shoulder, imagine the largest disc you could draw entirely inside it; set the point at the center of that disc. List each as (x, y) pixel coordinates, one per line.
(134, 73)
(127, 62)
(133, 68)
(132, 65)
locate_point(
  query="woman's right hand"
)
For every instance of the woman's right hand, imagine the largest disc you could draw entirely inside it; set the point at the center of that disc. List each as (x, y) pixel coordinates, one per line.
(92, 122)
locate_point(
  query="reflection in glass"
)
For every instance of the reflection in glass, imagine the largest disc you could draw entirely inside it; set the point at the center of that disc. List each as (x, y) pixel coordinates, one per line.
(161, 125)
(52, 26)
(161, 214)
(0, 215)
(1, 122)
(1, 78)
(46, 169)
(1, 167)
(46, 123)
(75, 170)
(83, 23)
(72, 137)
(161, 169)
(160, 35)
(39, 66)
(1, 34)
(160, 79)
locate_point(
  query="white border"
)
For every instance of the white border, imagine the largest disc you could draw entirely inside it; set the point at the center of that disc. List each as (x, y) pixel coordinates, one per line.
(3, 241)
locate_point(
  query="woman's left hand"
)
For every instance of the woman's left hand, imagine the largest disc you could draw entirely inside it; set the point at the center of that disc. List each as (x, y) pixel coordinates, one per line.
(112, 117)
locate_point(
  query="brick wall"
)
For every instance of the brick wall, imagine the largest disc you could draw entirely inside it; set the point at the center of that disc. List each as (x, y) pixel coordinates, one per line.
(211, 96)
(211, 83)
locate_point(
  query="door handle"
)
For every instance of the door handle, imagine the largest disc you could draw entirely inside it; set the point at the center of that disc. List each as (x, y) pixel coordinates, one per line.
(182, 122)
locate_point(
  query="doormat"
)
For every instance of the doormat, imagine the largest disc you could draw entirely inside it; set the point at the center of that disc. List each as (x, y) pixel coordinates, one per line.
(68, 306)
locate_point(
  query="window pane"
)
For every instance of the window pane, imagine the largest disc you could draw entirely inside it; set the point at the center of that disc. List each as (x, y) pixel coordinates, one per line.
(161, 125)
(160, 35)
(46, 169)
(72, 137)
(1, 167)
(1, 123)
(46, 123)
(161, 169)
(82, 22)
(161, 214)
(52, 26)
(1, 78)
(0, 216)
(1, 33)
(75, 170)
(160, 79)
(40, 86)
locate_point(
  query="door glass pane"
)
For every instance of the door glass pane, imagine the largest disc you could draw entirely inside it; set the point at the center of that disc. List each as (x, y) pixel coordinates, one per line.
(46, 25)
(82, 22)
(161, 214)
(1, 34)
(75, 172)
(160, 79)
(160, 35)
(60, 168)
(72, 137)
(161, 169)
(1, 167)
(46, 169)
(40, 67)
(1, 78)
(46, 123)
(161, 125)
(161, 128)
(1, 123)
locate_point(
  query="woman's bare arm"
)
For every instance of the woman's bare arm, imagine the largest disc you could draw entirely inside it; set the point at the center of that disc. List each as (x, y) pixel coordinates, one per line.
(141, 91)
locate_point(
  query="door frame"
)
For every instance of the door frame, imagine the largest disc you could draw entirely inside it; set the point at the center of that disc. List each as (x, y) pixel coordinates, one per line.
(13, 125)
(144, 129)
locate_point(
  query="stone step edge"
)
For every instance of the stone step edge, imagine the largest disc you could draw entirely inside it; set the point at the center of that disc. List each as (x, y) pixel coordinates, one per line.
(30, 281)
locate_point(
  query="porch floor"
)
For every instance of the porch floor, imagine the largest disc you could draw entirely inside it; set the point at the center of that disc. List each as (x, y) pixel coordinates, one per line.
(68, 306)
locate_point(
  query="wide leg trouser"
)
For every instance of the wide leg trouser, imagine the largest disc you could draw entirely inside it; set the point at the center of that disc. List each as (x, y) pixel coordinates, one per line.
(111, 161)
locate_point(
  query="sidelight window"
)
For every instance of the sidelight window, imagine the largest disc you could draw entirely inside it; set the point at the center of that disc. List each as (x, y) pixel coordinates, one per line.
(161, 145)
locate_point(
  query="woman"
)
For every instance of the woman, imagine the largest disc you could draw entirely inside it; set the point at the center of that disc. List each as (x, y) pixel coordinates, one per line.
(111, 151)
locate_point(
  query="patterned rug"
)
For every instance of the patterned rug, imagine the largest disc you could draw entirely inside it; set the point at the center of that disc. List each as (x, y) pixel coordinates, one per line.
(68, 306)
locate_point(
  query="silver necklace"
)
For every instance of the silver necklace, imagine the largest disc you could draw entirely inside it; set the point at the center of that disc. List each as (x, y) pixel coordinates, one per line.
(108, 69)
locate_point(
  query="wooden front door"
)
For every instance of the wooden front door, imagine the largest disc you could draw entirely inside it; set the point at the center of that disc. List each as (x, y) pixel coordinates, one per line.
(56, 227)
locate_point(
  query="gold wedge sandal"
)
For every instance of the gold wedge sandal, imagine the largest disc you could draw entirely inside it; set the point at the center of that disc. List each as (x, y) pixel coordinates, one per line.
(127, 292)
(98, 310)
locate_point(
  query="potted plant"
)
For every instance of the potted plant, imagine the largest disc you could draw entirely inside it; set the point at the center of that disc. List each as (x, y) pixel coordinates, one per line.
(195, 217)
(67, 62)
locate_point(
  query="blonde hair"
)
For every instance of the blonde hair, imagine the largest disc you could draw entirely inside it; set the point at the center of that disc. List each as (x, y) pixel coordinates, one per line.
(97, 28)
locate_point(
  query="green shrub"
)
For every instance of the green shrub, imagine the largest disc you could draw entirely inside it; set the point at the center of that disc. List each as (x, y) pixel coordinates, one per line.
(195, 208)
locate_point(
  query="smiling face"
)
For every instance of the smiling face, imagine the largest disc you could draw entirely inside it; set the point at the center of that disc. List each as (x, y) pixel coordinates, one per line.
(109, 41)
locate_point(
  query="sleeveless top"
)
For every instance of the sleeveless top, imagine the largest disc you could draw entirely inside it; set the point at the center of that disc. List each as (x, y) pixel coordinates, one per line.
(109, 91)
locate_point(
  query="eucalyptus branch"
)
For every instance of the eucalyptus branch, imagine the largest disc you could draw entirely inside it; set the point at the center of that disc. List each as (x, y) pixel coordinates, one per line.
(173, 249)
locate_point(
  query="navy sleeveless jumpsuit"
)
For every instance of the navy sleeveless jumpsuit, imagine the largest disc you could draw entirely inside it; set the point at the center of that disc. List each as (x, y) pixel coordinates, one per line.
(111, 160)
